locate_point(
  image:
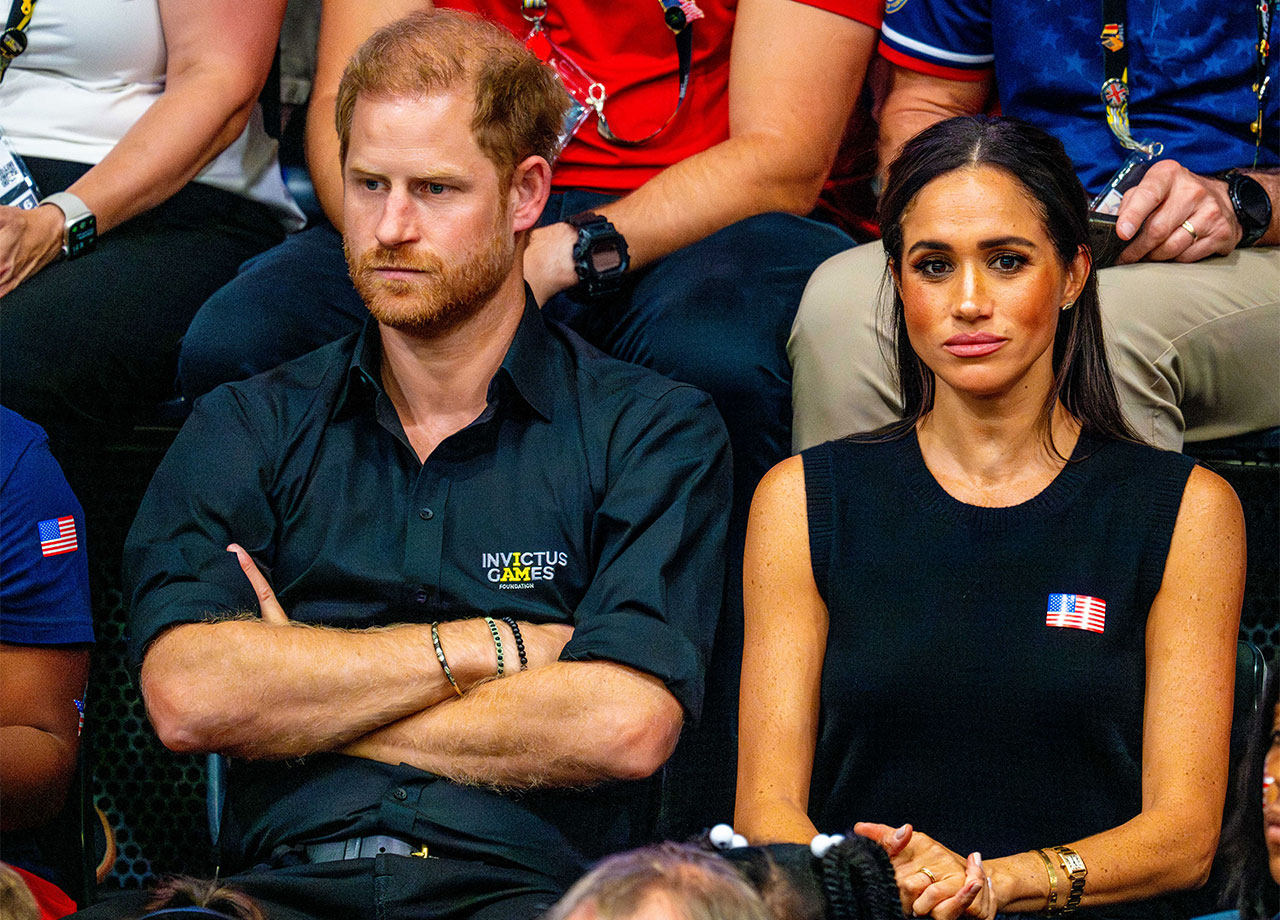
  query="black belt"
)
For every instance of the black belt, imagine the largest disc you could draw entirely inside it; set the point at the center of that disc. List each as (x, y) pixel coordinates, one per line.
(363, 848)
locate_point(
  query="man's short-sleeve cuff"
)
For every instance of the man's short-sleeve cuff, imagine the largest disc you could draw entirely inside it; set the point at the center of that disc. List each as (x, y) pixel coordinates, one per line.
(940, 38)
(969, 73)
(156, 609)
(641, 642)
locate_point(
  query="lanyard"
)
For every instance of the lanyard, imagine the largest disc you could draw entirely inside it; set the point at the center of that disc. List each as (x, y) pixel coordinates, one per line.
(679, 16)
(1115, 82)
(14, 39)
(1261, 79)
(1115, 85)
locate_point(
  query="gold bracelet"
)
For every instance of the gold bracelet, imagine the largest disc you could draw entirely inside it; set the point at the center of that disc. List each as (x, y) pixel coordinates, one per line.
(1077, 871)
(1050, 904)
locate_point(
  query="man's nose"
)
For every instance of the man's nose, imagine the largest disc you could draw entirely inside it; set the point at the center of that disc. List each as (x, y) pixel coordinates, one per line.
(397, 223)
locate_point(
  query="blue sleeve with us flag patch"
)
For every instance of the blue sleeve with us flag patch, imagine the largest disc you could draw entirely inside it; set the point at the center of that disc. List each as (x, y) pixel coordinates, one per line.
(44, 570)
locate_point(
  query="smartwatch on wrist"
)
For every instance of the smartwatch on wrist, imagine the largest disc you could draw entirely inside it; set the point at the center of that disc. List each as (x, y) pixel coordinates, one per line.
(1252, 205)
(600, 255)
(79, 227)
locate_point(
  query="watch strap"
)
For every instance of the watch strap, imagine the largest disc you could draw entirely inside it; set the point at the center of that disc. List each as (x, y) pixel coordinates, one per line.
(1077, 872)
(79, 226)
(585, 219)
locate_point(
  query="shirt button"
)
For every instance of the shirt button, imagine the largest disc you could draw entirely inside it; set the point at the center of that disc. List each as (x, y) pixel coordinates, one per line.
(426, 514)
(399, 793)
(420, 596)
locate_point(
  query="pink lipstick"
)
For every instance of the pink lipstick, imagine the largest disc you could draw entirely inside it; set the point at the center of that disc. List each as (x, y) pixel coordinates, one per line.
(973, 344)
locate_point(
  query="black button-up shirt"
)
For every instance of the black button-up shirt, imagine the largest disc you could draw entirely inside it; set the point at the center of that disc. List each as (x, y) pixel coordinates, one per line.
(589, 492)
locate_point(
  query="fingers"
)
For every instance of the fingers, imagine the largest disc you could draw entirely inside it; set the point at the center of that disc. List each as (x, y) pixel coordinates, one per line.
(894, 840)
(956, 895)
(29, 240)
(543, 642)
(1174, 214)
(271, 610)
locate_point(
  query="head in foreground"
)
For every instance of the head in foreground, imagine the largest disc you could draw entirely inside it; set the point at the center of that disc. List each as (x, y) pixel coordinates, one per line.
(994, 296)
(447, 129)
(668, 881)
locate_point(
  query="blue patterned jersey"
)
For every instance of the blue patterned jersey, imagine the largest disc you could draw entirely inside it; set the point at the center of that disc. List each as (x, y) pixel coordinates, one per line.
(1191, 71)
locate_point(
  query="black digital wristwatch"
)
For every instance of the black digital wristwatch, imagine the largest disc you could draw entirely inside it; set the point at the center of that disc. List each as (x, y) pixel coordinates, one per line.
(1252, 205)
(600, 255)
(79, 226)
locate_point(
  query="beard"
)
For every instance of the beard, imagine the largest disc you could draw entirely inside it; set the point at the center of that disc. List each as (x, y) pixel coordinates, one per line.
(443, 297)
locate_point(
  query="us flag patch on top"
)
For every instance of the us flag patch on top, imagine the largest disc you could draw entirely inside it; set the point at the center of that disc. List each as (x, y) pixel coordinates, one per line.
(1077, 611)
(57, 536)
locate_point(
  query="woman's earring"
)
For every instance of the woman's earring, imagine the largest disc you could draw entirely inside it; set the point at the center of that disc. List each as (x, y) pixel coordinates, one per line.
(1068, 305)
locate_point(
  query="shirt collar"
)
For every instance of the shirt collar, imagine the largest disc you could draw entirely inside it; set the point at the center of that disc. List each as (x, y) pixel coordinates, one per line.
(527, 366)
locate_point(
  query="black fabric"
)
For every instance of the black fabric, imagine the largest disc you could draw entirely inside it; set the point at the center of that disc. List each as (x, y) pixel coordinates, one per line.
(89, 345)
(946, 699)
(707, 315)
(385, 887)
(609, 483)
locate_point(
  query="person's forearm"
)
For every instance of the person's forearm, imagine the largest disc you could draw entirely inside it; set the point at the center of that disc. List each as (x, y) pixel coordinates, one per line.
(322, 154)
(255, 690)
(917, 100)
(683, 204)
(1145, 857)
(182, 132)
(734, 180)
(771, 820)
(568, 724)
(35, 770)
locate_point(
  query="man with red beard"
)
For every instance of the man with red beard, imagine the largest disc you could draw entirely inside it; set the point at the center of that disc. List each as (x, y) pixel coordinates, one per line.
(485, 555)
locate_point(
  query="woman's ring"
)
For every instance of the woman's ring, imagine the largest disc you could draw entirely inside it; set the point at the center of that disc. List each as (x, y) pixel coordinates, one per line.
(1186, 225)
(932, 878)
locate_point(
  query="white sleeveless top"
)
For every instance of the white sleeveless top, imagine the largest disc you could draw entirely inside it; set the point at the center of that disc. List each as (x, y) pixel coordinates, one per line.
(91, 69)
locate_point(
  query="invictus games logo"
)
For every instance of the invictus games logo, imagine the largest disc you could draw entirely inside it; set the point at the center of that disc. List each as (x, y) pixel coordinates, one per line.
(521, 570)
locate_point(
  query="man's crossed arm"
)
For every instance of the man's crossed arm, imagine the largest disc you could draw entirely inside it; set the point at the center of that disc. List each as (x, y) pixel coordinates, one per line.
(269, 688)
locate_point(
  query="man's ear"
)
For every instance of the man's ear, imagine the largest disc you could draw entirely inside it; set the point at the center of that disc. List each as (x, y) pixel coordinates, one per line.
(530, 187)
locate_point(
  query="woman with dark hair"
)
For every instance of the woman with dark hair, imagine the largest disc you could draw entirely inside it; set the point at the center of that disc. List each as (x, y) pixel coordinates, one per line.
(1251, 839)
(1003, 619)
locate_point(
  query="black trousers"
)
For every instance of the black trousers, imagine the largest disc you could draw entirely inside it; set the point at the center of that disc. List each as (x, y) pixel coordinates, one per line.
(383, 888)
(90, 345)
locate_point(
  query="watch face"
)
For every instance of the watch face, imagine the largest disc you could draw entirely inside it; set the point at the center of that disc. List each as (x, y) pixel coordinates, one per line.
(1072, 862)
(600, 254)
(605, 260)
(1252, 199)
(81, 236)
